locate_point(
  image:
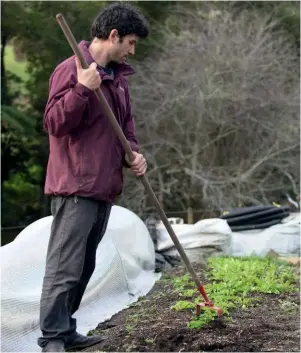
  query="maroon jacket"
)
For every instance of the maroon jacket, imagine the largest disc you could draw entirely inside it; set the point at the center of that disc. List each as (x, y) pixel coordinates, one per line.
(86, 157)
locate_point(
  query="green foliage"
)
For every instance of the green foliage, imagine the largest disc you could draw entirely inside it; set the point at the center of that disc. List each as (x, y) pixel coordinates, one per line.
(22, 174)
(12, 65)
(183, 305)
(21, 196)
(16, 77)
(17, 120)
(44, 44)
(187, 293)
(287, 13)
(32, 26)
(157, 12)
(255, 275)
(237, 283)
(182, 282)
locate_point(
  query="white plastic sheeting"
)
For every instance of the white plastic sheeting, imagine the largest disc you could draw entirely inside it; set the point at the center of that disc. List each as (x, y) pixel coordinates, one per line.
(208, 237)
(124, 271)
(284, 238)
(213, 237)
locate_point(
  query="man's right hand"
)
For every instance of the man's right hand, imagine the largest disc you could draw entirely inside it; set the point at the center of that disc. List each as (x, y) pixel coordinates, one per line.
(88, 77)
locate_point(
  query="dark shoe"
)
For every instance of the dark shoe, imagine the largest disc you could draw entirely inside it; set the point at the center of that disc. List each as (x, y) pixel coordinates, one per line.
(54, 346)
(79, 341)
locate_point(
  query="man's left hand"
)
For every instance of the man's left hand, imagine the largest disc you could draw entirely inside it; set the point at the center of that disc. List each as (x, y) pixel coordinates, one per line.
(138, 165)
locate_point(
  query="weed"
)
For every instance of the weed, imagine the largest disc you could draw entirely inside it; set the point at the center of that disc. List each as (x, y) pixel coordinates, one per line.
(149, 340)
(129, 348)
(133, 318)
(129, 328)
(96, 332)
(158, 296)
(288, 307)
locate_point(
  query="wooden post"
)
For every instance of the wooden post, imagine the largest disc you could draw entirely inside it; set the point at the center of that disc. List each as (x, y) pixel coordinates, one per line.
(190, 215)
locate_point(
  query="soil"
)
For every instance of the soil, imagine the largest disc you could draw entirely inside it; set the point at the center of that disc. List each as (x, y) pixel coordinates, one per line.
(150, 325)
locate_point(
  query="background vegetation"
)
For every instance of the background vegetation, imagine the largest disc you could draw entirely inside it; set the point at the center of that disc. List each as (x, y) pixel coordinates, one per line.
(215, 99)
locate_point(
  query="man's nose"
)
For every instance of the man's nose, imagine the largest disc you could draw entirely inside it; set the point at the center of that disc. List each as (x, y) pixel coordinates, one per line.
(132, 51)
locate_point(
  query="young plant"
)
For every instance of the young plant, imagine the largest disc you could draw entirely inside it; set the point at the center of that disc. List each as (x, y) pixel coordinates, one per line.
(233, 281)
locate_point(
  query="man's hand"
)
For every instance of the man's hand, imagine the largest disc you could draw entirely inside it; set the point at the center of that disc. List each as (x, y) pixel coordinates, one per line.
(88, 77)
(138, 165)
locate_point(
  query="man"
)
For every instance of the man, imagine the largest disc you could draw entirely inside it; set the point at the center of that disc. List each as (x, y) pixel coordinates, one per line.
(84, 173)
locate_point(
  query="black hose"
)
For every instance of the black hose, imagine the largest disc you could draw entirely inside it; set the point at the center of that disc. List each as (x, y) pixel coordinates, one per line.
(276, 211)
(254, 226)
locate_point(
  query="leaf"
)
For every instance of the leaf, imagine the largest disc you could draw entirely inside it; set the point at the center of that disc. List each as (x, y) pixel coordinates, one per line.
(17, 120)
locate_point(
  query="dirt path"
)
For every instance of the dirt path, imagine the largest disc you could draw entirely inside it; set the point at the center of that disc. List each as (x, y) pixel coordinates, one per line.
(151, 325)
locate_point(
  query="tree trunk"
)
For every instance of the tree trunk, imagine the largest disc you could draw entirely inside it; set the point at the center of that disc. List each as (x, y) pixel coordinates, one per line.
(5, 99)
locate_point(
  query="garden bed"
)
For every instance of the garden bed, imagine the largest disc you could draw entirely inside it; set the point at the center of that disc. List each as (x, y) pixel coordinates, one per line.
(260, 298)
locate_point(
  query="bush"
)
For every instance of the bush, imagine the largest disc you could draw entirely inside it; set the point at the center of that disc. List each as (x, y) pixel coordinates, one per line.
(218, 112)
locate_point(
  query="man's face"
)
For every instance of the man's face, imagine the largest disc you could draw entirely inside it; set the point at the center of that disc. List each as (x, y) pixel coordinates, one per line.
(121, 48)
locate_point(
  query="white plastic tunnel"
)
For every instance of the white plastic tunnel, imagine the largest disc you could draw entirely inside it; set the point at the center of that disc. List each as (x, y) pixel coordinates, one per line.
(124, 271)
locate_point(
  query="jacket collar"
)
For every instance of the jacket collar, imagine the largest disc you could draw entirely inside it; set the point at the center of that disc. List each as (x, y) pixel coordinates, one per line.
(119, 69)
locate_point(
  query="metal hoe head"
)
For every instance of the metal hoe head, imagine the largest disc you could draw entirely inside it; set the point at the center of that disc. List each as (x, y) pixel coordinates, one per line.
(207, 304)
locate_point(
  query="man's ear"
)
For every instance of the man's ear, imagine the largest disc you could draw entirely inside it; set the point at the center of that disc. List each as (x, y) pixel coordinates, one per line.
(114, 36)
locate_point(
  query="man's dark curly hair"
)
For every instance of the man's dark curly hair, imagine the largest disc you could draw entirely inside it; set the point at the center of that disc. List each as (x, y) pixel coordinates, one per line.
(123, 17)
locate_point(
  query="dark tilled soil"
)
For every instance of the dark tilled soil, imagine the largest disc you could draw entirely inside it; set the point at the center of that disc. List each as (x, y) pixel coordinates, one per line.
(152, 326)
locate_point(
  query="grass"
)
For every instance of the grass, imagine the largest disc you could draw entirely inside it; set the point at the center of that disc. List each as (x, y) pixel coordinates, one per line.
(18, 68)
(236, 283)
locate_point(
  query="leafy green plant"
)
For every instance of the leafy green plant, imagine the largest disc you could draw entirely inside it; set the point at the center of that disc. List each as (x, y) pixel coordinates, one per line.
(187, 293)
(181, 283)
(183, 305)
(234, 281)
(130, 328)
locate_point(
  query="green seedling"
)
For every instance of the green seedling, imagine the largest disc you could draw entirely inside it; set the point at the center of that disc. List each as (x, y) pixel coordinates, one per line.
(149, 340)
(130, 328)
(233, 280)
(183, 305)
(182, 283)
(133, 318)
(188, 293)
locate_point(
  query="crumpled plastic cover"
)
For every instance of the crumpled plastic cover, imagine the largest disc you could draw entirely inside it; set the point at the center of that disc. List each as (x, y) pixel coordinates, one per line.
(124, 272)
(214, 237)
(206, 238)
(283, 238)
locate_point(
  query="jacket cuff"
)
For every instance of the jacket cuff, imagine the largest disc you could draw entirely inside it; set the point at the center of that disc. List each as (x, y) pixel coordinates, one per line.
(82, 90)
(135, 148)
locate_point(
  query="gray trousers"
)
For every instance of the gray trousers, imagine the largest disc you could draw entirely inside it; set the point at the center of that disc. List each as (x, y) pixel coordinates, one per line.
(77, 228)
